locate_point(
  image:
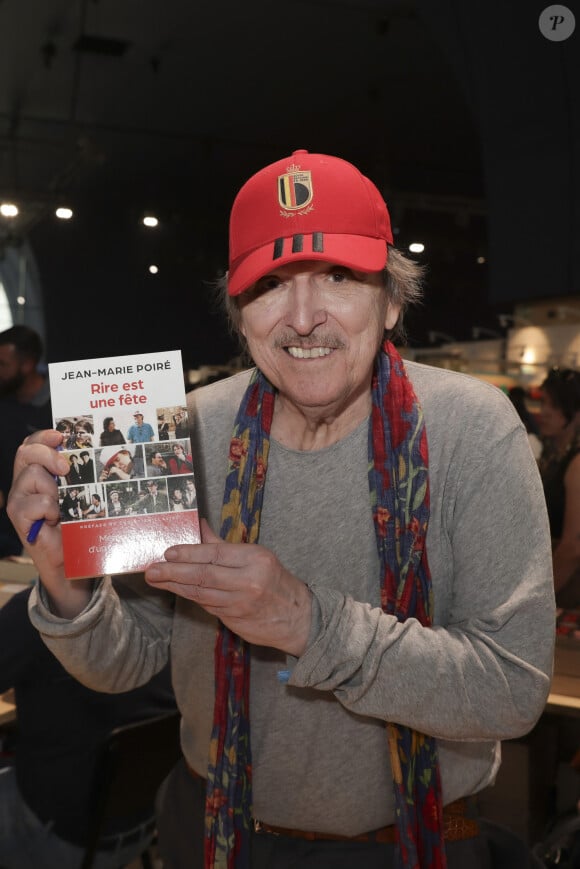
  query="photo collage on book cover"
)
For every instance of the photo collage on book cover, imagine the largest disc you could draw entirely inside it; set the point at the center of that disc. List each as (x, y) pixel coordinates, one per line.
(128, 466)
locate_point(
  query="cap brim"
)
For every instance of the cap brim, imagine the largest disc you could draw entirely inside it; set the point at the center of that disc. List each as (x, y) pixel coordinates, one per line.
(357, 252)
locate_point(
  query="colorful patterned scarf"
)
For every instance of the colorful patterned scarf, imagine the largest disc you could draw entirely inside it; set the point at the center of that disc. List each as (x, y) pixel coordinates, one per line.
(399, 492)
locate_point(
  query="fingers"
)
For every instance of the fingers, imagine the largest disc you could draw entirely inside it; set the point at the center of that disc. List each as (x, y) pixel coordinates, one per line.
(34, 493)
(204, 575)
(31, 491)
(223, 554)
(214, 550)
(40, 448)
(37, 514)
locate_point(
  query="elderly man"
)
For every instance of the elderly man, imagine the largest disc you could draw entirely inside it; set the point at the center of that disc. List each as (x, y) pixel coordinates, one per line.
(375, 550)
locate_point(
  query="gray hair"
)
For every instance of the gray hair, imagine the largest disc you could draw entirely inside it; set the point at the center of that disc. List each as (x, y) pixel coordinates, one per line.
(403, 282)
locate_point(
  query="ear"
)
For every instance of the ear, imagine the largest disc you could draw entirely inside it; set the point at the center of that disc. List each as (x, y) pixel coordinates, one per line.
(239, 322)
(392, 316)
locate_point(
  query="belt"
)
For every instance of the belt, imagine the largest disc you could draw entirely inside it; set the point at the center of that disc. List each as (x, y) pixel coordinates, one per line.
(457, 826)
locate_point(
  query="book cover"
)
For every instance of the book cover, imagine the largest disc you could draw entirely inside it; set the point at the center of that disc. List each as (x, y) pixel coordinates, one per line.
(129, 493)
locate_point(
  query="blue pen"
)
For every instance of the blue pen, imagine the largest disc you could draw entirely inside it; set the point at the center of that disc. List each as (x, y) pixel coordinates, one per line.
(38, 523)
(34, 530)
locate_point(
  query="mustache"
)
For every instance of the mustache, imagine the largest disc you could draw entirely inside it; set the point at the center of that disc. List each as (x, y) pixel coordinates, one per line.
(307, 342)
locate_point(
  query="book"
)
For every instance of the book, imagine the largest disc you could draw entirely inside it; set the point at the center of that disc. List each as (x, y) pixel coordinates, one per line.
(130, 491)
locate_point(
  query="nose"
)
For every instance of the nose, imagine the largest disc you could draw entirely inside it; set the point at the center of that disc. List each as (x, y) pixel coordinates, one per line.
(306, 309)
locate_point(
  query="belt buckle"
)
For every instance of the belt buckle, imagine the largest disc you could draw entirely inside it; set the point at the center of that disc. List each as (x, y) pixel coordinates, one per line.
(259, 827)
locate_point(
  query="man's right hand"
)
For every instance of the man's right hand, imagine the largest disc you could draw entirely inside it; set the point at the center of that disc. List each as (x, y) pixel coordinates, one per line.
(34, 495)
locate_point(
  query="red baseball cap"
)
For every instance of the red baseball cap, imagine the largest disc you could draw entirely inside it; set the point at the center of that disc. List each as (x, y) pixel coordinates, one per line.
(306, 207)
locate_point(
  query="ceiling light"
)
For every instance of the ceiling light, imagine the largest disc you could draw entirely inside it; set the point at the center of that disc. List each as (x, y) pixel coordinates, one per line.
(7, 209)
(480, 260)
(153, 269)
(416, 247)
(64, 213)
(149, 220)
(529, 356)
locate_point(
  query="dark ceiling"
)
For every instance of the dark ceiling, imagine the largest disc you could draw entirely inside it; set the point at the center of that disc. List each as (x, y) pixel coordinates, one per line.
(463, 114)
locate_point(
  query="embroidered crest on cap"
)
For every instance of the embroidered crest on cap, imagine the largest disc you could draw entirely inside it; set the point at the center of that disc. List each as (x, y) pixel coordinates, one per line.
(295, 189)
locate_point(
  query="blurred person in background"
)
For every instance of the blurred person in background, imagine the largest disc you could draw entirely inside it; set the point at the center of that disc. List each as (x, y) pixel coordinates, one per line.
(24, 408)
(45, 792)
(518, 398)
(560, 471)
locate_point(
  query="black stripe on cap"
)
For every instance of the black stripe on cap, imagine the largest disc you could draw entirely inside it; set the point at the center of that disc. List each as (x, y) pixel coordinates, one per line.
(318, 242)
(278, 248)
(297, 243)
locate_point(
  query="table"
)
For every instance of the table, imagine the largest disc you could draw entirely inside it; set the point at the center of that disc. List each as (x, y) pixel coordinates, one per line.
(7, 712)
(564, 696)
(18, 569)
(15, 574)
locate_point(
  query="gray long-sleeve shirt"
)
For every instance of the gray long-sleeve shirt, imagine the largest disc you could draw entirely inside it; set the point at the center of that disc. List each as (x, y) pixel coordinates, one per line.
(481, 674)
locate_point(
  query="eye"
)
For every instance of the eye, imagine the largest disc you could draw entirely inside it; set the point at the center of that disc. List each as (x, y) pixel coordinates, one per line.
(264, 285)
(340, 274)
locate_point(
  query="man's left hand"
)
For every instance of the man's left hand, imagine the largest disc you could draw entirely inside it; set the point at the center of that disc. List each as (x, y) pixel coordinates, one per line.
(244, 585)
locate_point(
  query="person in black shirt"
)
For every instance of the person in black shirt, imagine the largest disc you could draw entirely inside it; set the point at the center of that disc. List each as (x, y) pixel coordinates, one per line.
(111, 436)
(24, 408)
(87, 467)
(70, 508)
(44, 795)
(560, 470)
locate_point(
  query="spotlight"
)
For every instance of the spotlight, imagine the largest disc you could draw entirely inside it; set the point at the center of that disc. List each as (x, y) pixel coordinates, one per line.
(8, 209)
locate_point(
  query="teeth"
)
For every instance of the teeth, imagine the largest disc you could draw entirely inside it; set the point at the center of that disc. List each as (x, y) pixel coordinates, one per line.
(309, 353)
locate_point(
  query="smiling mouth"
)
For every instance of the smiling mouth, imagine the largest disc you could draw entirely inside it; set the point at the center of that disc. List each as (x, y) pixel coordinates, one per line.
(309, 352)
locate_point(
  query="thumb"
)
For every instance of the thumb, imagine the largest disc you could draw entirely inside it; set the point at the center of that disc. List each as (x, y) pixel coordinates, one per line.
(207, 534)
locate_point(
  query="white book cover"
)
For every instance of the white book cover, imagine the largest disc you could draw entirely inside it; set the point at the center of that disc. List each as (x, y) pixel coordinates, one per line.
(130, 491)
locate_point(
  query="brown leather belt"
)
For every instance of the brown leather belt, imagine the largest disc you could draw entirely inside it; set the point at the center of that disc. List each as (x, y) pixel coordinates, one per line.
(457, 826)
